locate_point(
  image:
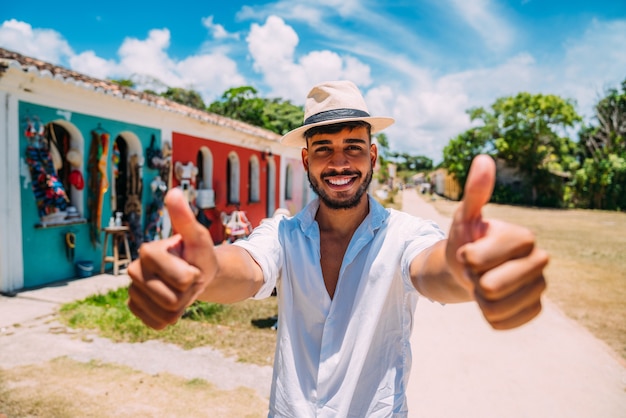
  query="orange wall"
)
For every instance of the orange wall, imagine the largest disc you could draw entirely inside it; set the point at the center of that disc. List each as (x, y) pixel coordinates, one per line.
(185, 149)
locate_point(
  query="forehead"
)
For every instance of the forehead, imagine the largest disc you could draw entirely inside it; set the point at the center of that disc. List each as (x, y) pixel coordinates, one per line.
(356, 134)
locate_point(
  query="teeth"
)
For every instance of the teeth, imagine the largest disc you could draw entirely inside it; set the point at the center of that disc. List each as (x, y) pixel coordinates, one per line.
(339, 182)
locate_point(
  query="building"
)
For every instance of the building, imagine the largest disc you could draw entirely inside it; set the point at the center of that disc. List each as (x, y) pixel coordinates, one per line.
(77, 152)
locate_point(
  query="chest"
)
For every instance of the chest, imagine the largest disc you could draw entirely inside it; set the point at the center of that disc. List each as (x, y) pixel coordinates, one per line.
(332, 252)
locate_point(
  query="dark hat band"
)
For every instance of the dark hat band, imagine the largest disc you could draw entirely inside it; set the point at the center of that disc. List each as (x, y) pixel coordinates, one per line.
(335, 114)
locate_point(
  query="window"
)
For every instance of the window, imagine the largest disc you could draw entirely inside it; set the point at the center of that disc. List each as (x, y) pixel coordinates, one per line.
(254, 186)
(232, 173)
(204, 162)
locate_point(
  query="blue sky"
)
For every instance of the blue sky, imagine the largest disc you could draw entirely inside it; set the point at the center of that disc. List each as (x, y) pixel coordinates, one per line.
(423, 62)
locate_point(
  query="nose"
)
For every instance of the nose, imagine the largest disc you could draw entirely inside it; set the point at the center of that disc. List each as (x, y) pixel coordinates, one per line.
(339, 161)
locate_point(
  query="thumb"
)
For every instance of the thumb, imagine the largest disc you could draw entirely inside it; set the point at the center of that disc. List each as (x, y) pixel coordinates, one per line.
(193, 233)
(478, 187)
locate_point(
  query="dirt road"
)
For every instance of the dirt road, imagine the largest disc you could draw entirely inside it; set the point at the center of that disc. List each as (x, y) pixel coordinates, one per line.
(551, 367)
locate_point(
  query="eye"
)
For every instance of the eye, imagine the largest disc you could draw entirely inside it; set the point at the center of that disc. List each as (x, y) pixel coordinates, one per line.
(354, 149)
(322, 149)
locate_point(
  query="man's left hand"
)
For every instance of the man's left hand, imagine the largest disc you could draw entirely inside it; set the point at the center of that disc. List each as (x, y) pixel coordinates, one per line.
(497, 261)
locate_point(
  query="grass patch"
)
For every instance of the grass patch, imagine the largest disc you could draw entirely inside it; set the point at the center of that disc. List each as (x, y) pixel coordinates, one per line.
(233, 329)
(587, 271)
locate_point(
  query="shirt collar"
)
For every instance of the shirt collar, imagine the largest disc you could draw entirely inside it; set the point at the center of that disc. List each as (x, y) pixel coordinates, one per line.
(375, 218)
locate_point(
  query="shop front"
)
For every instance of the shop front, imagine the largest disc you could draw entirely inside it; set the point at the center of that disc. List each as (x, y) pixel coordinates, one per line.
(78, 174)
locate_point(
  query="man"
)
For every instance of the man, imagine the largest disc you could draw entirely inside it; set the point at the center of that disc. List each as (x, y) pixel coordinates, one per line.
(350, 271)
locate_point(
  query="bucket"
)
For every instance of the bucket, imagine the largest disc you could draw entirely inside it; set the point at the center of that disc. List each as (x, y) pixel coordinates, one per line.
(84, 268)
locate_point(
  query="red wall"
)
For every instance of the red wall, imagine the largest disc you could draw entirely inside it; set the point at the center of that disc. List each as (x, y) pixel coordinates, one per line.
(185, 149)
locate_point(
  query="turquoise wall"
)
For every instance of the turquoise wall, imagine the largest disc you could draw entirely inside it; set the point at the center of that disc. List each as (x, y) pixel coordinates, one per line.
(44, 249)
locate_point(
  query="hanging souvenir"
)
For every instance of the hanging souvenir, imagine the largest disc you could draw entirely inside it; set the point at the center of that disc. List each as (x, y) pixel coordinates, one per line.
(76, 180)
(154, 155)
(98, 182)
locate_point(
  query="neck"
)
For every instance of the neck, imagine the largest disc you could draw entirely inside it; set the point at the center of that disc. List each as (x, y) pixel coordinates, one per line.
(342, 221)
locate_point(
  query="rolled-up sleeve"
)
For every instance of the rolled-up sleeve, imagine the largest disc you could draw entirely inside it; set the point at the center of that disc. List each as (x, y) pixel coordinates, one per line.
(264, 247)
(425, 235)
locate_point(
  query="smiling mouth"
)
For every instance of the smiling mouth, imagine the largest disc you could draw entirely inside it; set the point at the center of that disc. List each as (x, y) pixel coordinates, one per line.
(340, 181)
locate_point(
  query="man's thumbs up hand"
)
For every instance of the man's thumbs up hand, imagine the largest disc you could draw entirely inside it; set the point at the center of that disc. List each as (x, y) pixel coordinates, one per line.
(498, 262)
(171, 273)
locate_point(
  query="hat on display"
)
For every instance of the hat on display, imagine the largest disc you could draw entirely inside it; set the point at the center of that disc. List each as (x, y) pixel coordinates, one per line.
(334, 102)
(73, 157)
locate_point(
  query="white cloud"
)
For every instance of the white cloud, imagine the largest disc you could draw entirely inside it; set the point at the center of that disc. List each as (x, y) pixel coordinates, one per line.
(427, 115)
(89, 63)
(209, 75)
(145, 61)
(217, 31)
(272, 44)
(149, 57)
(497, 33)
(289, 10)
(44, 44)
(594, 62)
(272, 47)
(431, 110)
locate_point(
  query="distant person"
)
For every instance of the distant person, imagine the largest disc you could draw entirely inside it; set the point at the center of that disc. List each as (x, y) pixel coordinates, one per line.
(350, 270)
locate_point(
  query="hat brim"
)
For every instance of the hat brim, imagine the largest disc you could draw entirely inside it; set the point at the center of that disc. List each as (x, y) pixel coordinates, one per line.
(295, 138)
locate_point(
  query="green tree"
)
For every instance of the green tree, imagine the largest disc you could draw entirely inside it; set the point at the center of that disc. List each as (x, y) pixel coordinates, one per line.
(600, 183)
(460, 151)
(242, 103)
(383, 157)
(124, 82)
(524, 131)
(281, 116)
(186, 97)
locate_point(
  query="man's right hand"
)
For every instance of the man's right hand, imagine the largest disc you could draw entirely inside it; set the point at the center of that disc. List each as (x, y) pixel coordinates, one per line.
(170, 274)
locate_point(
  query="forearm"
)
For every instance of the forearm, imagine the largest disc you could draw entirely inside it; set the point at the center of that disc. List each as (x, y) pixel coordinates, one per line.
(433, 278)
(238, 276)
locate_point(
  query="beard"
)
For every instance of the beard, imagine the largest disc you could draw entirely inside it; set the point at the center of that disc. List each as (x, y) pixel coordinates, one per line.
(347, 202)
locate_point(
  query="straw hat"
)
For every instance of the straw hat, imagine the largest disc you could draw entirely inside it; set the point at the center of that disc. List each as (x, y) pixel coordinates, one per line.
(334, 102)
(74, 157)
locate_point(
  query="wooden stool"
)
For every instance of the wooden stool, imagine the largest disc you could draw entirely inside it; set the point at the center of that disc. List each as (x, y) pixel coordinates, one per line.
(118, 234)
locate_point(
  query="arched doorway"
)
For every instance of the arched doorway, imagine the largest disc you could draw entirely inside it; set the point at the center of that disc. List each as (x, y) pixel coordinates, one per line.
(69, 142)
(127, 185)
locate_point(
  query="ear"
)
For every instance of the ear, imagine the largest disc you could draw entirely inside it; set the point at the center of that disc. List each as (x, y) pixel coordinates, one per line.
(305, 159)
(373, 155)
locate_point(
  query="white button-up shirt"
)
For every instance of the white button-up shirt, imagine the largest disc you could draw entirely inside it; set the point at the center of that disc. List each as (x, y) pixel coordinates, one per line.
(349, 356)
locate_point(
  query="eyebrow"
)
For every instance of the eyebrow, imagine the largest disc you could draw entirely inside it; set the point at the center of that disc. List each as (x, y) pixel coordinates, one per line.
(345, 141)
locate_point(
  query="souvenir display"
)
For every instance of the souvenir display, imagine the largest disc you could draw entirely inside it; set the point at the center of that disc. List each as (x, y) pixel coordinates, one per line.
(49, 192)
(155, 210)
